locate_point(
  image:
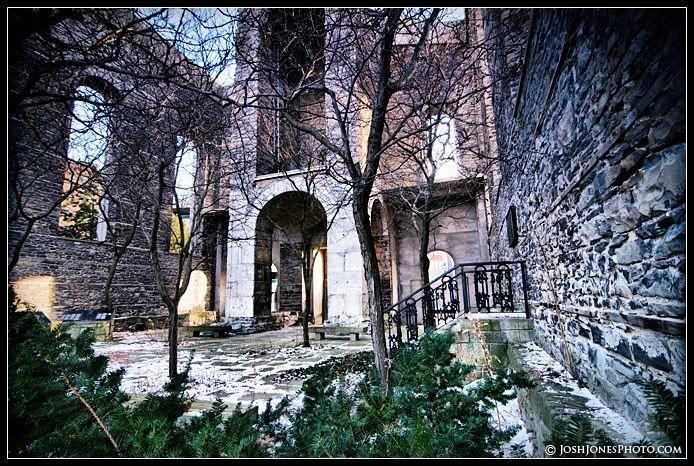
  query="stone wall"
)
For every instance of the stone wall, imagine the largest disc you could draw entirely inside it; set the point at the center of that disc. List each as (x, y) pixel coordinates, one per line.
(592, 144)
(58, 274)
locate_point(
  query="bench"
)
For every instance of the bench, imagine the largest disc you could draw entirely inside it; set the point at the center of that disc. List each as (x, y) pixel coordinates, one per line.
(353, 332)
(217, 331)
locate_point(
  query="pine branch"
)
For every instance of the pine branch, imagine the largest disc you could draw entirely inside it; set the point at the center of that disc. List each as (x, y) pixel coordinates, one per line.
(93, 413)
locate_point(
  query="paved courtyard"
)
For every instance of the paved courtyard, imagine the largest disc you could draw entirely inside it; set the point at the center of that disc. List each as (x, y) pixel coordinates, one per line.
(235, 369)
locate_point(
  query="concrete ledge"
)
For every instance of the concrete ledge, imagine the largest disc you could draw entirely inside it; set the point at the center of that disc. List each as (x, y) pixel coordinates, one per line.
(557, 396)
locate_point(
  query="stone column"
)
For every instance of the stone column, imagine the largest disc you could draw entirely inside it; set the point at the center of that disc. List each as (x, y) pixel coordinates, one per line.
(345, 271)
(240, 279)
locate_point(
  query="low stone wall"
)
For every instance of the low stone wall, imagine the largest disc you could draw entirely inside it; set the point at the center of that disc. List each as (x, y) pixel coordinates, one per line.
(473, 335)
(557, 396)
(57, 274)
(249, 325)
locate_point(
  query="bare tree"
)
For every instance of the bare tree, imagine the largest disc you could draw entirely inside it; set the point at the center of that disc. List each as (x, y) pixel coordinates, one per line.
(357, 61)
(442, 162)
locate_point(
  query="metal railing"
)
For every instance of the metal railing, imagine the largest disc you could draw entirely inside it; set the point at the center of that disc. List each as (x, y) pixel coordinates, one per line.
(481, 287)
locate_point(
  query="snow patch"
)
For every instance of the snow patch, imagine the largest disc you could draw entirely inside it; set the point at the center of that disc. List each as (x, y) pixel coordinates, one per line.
(538, 361)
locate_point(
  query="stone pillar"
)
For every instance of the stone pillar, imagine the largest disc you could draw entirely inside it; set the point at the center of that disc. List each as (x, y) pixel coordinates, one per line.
(240, 266)
(240, 279)
(345, 271)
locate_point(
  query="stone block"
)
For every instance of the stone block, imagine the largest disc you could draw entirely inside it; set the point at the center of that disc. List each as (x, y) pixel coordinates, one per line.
(515, 324)
(462, 336)
(650, 350)
(491, 337)
(519, 336)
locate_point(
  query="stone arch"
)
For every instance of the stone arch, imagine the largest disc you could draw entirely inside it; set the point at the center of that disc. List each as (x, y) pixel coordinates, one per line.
(379, 231)
(282, 225)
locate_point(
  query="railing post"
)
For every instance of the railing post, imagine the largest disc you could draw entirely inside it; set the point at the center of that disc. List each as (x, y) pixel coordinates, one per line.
(466, 299)
(525, 289)
(398, 322)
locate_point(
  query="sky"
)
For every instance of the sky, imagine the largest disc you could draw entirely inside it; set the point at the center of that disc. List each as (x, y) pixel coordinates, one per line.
(205, 35)
(89, 129)
(186, 161)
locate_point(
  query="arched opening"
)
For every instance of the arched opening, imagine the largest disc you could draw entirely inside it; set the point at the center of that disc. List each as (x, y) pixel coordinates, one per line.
(440, 262)
(382, 245)
(441, 140)
(82, 209)
(290, 234)
(183, 195)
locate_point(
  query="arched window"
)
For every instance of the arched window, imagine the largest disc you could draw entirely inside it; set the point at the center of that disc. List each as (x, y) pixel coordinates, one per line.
(183, 200)
(441, 141)
(81, 215)
(439, 263)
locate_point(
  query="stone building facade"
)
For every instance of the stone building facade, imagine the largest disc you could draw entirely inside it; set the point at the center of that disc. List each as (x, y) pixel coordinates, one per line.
(277, 178)
(591, 134)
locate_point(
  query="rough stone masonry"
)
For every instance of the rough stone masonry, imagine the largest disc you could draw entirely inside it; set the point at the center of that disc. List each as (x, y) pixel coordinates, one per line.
(591, 131)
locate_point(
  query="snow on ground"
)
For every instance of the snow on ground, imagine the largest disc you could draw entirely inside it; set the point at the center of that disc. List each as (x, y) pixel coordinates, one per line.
(505, 416)
(224, 369)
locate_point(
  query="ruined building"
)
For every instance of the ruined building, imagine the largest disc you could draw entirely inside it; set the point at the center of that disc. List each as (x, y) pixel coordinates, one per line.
(96, 133)
(570, 157)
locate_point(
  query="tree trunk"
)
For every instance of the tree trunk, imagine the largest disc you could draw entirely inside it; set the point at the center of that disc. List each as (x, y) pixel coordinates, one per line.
(173, 343)
(373, 284)
(427, 307)
(117, 255)
(306, 268)
(108, 299)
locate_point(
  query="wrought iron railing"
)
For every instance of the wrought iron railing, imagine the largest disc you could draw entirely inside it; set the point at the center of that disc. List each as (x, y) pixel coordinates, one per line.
(483, 287)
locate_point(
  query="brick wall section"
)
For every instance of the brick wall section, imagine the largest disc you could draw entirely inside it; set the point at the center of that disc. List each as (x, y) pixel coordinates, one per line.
(595, 166)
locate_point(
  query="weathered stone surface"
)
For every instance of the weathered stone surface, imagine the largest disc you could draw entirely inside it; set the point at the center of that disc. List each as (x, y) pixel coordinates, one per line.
(651, 351)
(608, 230)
